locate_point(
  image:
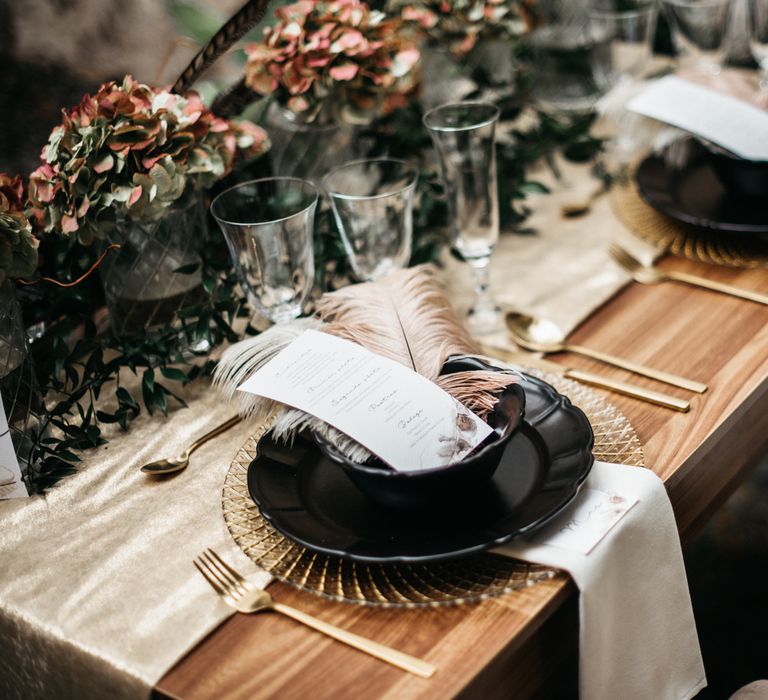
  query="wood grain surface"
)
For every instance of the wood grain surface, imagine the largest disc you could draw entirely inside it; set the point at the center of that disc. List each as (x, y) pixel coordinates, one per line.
(520, 645)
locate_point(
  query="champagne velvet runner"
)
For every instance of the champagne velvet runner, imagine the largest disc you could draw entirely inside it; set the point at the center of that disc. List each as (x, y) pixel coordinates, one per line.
(98, 595)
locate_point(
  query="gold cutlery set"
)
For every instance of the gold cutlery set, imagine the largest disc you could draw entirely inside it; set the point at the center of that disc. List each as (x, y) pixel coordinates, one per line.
(246, 597)
(537, 335)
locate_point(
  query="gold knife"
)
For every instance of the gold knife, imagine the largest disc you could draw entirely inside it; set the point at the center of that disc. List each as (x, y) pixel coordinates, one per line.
(624, 388)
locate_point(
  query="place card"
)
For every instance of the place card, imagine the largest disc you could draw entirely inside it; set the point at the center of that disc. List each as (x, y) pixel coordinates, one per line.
(403, 418)
(11, 484)
(726, 121)
(586, 521)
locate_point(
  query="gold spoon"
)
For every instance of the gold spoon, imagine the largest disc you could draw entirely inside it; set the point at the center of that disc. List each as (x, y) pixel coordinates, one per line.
(168, 466)
(542, 335)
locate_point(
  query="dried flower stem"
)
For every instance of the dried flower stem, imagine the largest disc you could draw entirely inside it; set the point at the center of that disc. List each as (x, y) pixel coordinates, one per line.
(82, 278)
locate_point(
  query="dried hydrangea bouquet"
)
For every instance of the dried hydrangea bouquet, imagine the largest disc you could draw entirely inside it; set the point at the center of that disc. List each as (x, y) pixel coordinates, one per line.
(129, 165)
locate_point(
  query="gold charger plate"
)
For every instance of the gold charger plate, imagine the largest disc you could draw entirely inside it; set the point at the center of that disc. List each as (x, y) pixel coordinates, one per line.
(409, 585)
(683, 240)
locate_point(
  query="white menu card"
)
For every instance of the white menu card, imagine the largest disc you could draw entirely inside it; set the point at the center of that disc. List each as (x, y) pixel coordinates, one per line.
(403, 418)
(11, 485)
(726, 121)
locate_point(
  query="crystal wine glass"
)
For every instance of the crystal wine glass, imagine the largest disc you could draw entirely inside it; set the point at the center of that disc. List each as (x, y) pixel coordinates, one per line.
(464, 136)
(700, 27)
(268, 225)
(623, 32)
(373, 206)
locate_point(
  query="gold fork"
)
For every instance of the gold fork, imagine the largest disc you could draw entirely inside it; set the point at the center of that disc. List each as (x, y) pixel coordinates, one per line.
(246, 597)
(647, 274)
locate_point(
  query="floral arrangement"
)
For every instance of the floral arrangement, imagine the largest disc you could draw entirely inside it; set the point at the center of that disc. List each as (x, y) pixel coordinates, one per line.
(460, 23)
(132, 150)
(319, 48)
(18, 247)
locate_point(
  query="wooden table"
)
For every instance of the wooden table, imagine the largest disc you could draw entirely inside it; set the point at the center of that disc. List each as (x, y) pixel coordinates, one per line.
(520, 645)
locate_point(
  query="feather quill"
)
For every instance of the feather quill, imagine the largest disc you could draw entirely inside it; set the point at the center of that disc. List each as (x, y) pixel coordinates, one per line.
(463, 386)
(245, 19)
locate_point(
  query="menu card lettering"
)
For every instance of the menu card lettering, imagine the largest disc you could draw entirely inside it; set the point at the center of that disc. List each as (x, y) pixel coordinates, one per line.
(403, 418)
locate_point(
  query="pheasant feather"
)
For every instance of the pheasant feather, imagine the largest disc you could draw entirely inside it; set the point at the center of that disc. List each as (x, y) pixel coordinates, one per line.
(245, 19)
(233, 100)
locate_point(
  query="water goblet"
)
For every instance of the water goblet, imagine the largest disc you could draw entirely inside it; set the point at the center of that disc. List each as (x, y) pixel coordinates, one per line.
(268, 225)
(623, 31)
(563, 49)
(464, 136)
(372, 203)
(699, 28)
(758, 44)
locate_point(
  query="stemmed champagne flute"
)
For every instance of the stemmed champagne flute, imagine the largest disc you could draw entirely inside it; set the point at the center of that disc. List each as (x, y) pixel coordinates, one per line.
(464, 136)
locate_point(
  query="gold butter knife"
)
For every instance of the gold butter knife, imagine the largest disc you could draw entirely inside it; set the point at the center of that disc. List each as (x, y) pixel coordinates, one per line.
(624, 388)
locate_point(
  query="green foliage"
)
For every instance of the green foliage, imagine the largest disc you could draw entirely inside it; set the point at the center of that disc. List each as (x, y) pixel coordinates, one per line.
(81, 369)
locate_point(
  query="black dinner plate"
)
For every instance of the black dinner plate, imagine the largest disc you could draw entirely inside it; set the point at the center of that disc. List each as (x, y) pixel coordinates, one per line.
(310, 500)
(695, 195)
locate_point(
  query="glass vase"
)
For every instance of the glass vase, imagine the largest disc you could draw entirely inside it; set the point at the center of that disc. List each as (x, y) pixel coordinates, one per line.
(156, 272)
(563, 51)
(446, 77)
(307, 150)
(17, 377)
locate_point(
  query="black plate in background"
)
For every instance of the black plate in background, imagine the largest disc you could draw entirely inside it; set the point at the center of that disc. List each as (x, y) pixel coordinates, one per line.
(309, 498)
(695, 195)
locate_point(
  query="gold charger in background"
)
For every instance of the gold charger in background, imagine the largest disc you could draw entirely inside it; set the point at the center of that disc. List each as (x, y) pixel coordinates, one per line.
(452, 581)
(699, 244)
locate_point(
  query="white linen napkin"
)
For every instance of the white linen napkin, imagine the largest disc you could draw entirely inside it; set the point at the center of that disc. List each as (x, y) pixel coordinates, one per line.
(637, 636)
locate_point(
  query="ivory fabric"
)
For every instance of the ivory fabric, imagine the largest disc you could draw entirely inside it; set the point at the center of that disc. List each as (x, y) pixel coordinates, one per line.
(634, 643)
(98, 594)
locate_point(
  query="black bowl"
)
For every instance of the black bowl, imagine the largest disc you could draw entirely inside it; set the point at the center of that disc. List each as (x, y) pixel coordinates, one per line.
(746, 178)
(435, 486)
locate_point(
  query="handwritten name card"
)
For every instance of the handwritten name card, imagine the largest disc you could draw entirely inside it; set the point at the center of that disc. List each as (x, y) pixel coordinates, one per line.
(403, 418)
(591, 516)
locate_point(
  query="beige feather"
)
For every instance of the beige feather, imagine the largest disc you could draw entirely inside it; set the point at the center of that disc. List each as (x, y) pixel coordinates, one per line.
(463, 386)
(241, 360)
(404, 316)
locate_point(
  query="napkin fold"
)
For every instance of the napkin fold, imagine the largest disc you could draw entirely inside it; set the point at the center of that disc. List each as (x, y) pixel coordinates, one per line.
(637, 636)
